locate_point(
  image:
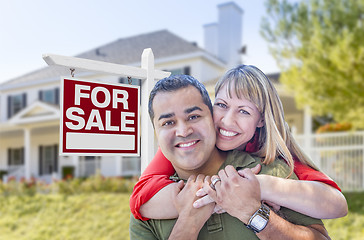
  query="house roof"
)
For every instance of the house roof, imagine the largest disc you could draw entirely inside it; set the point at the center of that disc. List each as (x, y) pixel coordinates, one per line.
(123, 51)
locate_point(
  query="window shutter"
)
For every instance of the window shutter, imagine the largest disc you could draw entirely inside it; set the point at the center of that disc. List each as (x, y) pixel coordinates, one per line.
(9, 157)
(56, 157)
(56, 96)
(187, 71)
(40, 160)
(9, 107)
(22, 156)
(40, 95)
(24, 100)
(122, 80)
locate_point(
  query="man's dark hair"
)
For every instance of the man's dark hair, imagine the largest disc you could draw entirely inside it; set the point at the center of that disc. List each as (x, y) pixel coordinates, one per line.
(174, 83)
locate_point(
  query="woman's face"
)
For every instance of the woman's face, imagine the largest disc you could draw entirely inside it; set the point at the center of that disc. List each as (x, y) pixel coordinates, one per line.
(236, 120)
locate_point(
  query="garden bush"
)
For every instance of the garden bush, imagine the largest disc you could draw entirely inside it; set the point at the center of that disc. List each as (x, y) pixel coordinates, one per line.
(68, 186)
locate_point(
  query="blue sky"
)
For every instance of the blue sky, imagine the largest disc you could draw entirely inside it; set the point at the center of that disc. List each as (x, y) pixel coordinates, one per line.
(69, 27)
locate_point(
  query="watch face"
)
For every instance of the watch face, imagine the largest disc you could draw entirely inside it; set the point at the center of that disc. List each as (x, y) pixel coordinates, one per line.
(259, 222)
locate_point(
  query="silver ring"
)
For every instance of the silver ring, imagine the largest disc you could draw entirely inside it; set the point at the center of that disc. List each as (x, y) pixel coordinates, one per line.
(213, 183)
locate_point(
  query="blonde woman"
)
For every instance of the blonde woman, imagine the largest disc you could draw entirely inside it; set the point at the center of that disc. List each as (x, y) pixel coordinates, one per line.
(248, 116)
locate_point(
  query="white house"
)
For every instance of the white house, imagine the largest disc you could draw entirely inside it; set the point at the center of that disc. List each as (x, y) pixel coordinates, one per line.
(29, 104)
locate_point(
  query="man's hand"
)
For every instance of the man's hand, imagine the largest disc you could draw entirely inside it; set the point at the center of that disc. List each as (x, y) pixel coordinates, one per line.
(183, 201)
(238, 194)
(190, 220)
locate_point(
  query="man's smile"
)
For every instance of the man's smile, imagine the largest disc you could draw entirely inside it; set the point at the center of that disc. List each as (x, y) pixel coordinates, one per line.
(187, 144)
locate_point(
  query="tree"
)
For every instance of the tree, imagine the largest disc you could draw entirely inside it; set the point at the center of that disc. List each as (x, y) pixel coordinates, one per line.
(319, 46)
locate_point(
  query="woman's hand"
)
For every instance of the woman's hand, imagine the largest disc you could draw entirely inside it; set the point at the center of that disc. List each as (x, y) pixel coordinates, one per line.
(206, 199)
(238, 195)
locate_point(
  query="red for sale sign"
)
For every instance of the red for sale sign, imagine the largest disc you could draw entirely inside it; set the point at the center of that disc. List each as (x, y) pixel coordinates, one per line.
(99, 118)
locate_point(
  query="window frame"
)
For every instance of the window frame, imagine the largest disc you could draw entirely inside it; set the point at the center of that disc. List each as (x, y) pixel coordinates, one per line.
(49, 95)
(20, 101)
(15, 157)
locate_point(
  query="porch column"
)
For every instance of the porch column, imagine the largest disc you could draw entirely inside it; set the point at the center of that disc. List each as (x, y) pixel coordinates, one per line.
(118, 165)
(27, 163)
(76, 164)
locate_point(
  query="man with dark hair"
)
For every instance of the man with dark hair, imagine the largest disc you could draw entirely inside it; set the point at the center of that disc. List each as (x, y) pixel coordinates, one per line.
(175, 83)
(181, 112)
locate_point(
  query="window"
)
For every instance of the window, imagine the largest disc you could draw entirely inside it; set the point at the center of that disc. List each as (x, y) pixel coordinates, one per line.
(89, 165)
(178, 71)
(16, 103)
(130, 166)
(15, 156)
(48, 159)
(49, 96)
(90, 158)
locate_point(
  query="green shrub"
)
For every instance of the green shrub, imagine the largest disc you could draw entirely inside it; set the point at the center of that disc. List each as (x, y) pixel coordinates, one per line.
(96, 183)
(22, 187)
(69, 186)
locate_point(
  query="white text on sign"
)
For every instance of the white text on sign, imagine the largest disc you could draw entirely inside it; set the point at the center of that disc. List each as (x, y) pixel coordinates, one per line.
(119, 100)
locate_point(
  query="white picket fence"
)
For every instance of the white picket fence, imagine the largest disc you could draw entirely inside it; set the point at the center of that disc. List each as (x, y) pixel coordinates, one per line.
(339, 155)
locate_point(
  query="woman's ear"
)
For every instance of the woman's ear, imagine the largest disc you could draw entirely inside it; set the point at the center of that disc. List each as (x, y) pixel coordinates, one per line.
(260, 122)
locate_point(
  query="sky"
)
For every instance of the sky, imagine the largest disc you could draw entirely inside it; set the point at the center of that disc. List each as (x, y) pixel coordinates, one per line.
(29, 29)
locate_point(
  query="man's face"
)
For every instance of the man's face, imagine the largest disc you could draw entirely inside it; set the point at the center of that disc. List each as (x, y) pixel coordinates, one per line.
(184, 128)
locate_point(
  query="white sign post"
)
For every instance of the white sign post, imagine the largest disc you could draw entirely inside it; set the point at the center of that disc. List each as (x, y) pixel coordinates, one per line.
(148, 75)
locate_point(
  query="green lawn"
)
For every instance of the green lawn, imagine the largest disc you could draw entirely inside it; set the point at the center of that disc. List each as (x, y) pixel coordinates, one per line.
(350, 227)
(53, 216)
(106, 216)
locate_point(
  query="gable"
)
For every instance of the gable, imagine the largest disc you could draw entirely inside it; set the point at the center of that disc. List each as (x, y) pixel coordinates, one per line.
(36, 112)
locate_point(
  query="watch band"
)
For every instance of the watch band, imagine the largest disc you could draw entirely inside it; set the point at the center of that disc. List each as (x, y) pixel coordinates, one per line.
(259, 220)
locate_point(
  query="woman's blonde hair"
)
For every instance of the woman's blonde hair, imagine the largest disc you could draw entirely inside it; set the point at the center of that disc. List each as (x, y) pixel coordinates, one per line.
(275, 138)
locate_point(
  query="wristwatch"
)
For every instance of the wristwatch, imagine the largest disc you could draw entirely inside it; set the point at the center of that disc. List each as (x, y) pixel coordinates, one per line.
(260, 219)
